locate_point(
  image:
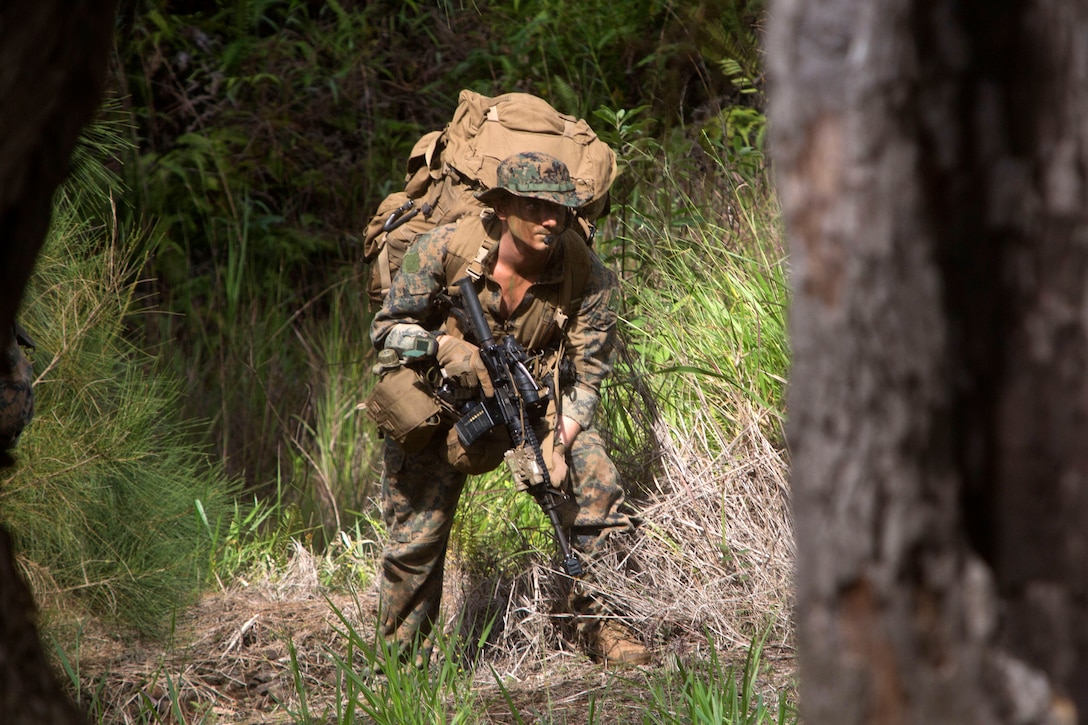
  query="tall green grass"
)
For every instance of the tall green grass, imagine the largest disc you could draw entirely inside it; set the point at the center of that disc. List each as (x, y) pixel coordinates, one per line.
(376, 683)
(705, 298)
(712, 692)
(103, 503)
(334, 447)
(231, 338)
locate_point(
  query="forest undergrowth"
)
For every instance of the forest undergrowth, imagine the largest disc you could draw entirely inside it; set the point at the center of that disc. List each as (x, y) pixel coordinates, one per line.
(203, 355)
(287, 624)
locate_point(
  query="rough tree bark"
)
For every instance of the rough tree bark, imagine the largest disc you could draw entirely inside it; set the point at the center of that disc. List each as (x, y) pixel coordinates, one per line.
(931, 159)
(53, 59)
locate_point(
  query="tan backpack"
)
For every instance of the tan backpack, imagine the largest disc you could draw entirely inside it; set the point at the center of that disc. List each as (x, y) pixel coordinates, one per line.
(447, 168)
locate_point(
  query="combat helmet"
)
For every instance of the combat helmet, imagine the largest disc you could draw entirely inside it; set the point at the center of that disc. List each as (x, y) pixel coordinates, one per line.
(534, 175)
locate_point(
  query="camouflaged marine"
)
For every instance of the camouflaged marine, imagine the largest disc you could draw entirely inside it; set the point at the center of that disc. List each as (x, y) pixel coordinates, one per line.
(16, 391)
(538, 281)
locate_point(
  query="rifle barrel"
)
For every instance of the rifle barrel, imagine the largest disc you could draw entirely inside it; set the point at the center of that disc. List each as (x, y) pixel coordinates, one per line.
(475, 313)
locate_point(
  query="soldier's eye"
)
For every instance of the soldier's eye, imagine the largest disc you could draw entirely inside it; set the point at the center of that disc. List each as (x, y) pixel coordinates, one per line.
(538, 208)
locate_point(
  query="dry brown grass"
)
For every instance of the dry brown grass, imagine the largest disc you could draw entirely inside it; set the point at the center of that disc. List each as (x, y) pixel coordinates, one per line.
(229, 657)
(713, 557)
(715, 553)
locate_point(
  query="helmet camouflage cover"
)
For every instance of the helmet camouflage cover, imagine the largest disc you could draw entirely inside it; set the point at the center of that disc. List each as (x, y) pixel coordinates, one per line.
(534, 175)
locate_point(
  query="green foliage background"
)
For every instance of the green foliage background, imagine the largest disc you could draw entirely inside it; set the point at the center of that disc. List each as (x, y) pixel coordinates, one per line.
(202, 325)
(215, 228)
(266, 131)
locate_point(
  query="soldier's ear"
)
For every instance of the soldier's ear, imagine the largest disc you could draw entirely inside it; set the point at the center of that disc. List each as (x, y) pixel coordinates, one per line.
(502, 205)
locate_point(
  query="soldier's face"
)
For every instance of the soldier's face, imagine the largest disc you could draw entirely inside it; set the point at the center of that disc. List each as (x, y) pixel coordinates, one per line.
(534, 222)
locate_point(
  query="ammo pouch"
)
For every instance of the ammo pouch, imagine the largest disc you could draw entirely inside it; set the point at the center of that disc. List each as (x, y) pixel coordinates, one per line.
(404, 409)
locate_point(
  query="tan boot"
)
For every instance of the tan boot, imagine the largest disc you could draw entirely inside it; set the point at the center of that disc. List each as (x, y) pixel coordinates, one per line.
(614, 645)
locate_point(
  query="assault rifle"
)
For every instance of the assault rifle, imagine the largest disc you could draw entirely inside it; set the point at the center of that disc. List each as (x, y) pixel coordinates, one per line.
(517, 404)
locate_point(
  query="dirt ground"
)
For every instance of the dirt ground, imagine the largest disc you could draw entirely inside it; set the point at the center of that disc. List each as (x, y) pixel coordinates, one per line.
(230, 661)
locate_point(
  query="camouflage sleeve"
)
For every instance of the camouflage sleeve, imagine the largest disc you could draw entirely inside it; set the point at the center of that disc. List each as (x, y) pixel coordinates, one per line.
(414, 287)
(592, 339)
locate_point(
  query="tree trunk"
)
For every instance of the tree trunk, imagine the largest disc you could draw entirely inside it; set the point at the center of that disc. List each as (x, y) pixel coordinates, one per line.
(53, 59)
(931, 162)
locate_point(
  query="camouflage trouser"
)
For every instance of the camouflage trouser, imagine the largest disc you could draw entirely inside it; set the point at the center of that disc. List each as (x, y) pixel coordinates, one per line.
(419, 495)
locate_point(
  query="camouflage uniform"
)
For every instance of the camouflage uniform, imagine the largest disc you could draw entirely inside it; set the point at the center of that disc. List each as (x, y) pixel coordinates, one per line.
(420, 490)
(16, 392)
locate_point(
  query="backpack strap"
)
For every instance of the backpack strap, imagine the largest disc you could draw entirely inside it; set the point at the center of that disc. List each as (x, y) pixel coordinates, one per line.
(472, 241)
(475, 268)
(385, 272)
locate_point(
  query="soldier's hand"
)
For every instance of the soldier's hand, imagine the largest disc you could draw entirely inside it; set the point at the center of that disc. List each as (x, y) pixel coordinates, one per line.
(558, 470)
(462, 364)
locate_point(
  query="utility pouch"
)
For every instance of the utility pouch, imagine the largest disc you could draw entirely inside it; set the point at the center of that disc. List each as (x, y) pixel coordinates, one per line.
(485, 454)
(404, 409)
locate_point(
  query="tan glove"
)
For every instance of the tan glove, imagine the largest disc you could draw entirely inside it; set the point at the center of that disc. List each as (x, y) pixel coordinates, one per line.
(462, 363)
(558, 470)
